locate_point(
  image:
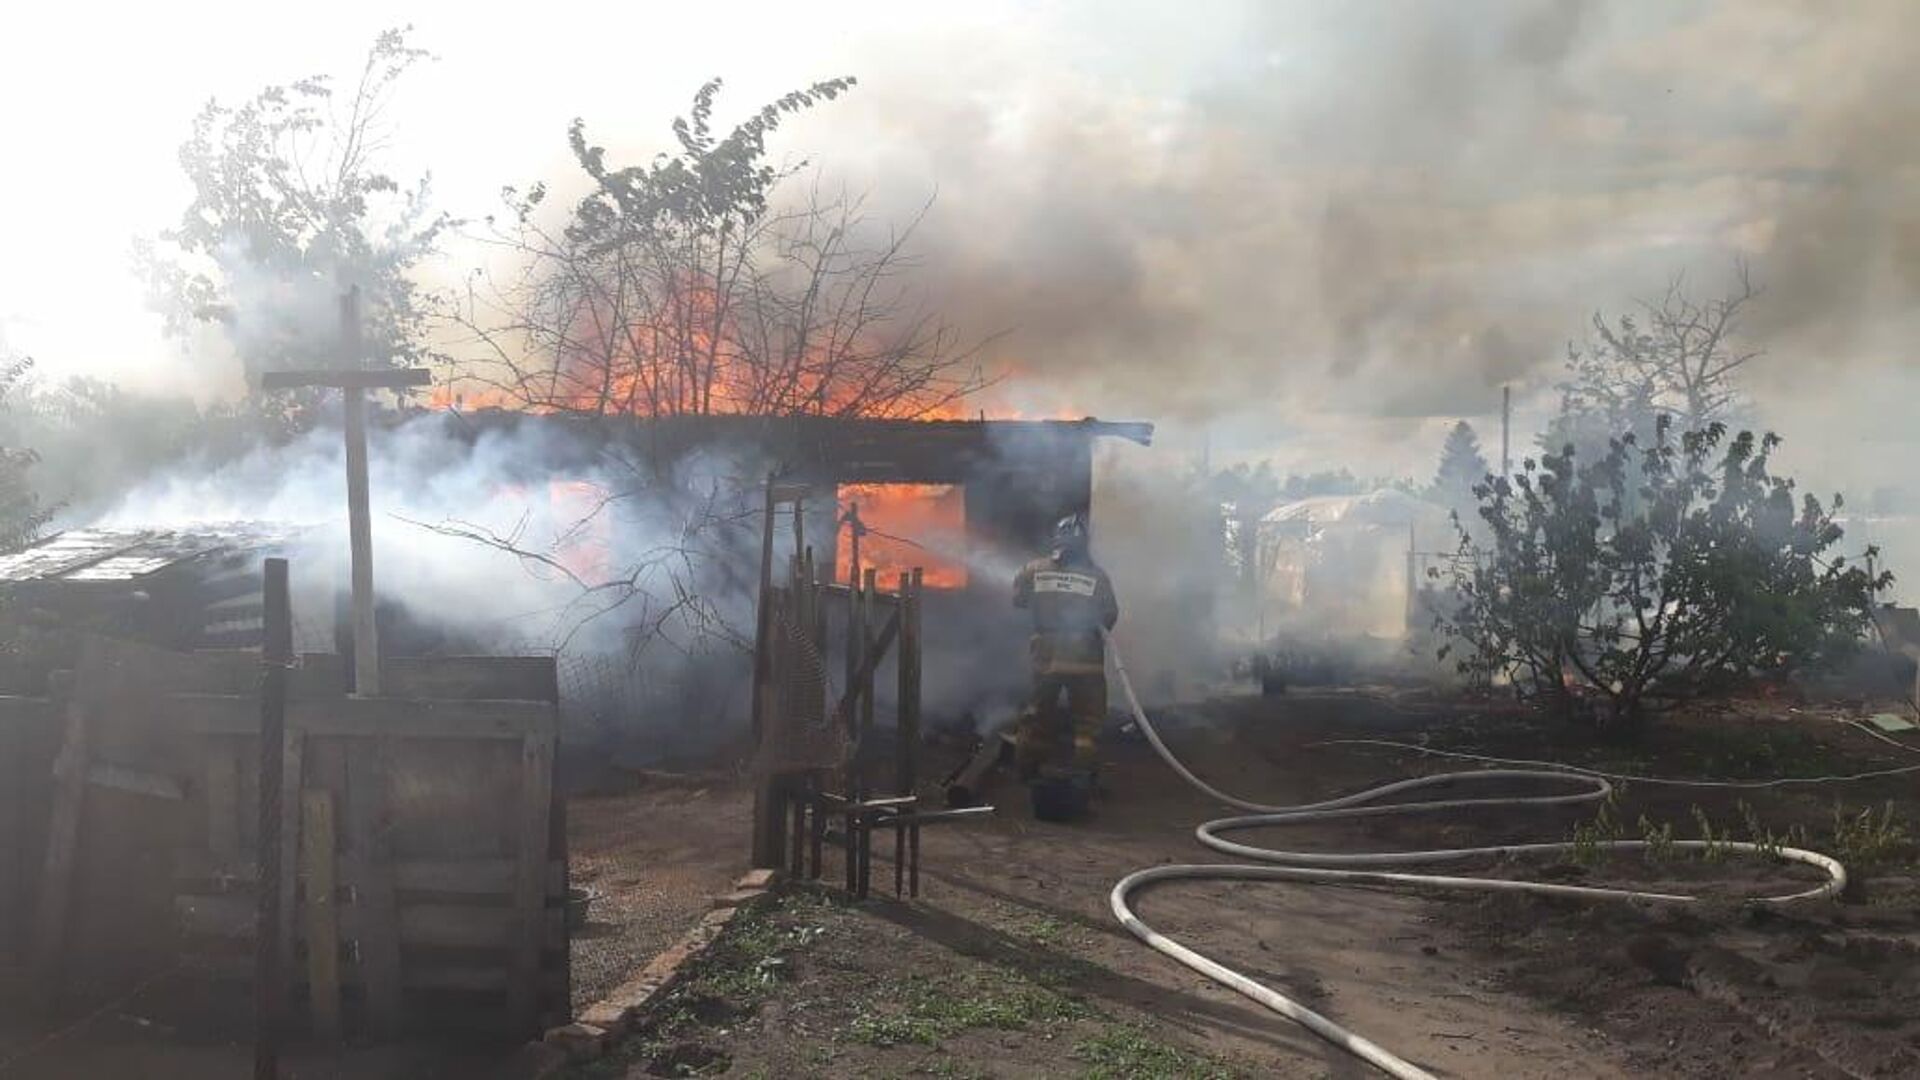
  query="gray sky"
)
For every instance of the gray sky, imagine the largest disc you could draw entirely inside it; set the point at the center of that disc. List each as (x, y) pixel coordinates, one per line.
(1318, 230)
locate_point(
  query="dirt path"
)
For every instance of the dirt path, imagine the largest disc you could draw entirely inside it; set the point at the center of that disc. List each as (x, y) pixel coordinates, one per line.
(655, 856)
(1011, 964)
(1377, 962)
(1013, 897)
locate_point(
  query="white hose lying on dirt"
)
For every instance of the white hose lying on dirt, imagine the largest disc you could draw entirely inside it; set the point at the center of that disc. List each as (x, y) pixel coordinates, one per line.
(1336, 868)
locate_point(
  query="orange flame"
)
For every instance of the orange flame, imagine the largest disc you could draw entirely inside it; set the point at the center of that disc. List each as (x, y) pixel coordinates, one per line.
(907, 526)
(585, 546)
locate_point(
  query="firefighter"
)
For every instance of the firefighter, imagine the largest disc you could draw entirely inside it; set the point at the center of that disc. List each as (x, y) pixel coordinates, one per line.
(1071, 600)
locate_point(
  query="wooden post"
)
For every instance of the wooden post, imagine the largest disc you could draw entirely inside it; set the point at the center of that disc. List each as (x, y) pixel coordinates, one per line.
(63, 842)
(530, 886)
(854, 531)
(821, 576)
(317, 845)
(376, 908)
(907, 666)
(268, 985)
(854, 637)
(355, 384)
(366, 644)
(767, 835)
(797, 803)
(559, 998)
(869, 660)
(910, 715)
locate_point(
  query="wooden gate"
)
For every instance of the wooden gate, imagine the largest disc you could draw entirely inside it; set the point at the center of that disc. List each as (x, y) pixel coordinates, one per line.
(420, 835)
(818, 755)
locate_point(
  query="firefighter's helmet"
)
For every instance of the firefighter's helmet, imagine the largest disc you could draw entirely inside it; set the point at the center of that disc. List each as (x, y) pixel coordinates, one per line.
(1070, 534)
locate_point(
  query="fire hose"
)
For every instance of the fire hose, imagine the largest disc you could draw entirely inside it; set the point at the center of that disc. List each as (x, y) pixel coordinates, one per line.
(1343, 868)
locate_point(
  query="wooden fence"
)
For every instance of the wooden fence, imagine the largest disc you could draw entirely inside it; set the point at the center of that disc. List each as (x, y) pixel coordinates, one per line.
(423, 851)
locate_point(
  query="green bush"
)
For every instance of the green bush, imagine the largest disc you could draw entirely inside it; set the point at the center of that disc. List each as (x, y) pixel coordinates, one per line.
(1612, 587)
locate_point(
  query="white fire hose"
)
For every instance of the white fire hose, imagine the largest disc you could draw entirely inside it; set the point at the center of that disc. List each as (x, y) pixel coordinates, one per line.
(1337, 868)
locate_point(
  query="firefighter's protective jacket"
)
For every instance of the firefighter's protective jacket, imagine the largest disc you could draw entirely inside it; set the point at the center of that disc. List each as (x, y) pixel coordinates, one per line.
(1071, 599)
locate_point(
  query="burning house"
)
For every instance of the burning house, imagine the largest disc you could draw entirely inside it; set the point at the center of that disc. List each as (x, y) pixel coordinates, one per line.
(966, 501)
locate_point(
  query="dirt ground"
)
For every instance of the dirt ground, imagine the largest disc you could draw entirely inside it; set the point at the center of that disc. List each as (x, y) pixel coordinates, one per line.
(654, 856)
(1011, 965)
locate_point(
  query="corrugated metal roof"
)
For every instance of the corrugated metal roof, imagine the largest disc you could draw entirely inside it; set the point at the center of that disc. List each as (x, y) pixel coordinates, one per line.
(128, 554)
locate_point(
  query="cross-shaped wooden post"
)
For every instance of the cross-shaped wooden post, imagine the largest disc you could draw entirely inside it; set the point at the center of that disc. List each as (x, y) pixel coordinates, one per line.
(354, 384)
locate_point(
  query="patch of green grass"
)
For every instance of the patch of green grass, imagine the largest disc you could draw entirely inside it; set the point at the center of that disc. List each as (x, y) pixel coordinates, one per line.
(755, 954)
(947, 1068)
(1866, 840)
(749, 961)
(925, 1011)
(1128, 1053)
(1043, 930)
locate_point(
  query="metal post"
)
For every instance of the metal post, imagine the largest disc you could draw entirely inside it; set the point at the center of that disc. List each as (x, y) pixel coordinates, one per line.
(268, 984)
(1506, 422)
(1413, 586)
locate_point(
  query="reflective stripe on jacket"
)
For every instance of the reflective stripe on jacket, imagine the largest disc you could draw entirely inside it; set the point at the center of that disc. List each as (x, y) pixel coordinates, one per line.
(1071, 601)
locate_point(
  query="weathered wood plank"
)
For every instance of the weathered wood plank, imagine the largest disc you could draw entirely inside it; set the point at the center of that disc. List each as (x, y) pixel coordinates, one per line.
(530, 884)
(461, 926)
(375, 908)
(466, 678)
(105, 774)
(419, 975)
(229, 917)
(292, 779)
(471, 877)
(221, 793)
(30, 734)
(322, 915)
(227, 714)
(63, 839)
(559, 1000)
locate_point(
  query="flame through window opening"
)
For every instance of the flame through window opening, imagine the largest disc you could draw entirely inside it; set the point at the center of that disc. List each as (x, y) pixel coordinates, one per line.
(905, 526)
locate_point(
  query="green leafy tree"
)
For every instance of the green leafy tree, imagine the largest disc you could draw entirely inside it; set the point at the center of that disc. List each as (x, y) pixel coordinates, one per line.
(95, 440)
(1652, 575)
(291, 213)
(1326, 482)
(1241, 494)
(1676, 357)
(21, 513)
(1462, 468)
(698, 283)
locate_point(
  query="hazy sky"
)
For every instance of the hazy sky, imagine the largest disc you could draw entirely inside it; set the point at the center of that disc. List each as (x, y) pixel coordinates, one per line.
(1318, 229)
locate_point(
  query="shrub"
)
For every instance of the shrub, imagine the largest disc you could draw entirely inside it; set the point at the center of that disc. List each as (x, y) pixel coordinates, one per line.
(1651, 575)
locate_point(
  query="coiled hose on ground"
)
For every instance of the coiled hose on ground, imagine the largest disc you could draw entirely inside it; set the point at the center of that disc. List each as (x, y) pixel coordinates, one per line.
(1346, 868)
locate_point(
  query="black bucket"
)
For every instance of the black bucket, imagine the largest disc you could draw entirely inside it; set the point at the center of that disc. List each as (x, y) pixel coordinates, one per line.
(1060, 798)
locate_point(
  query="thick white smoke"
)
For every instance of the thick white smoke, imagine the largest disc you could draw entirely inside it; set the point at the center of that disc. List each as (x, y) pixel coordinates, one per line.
(571, 523)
